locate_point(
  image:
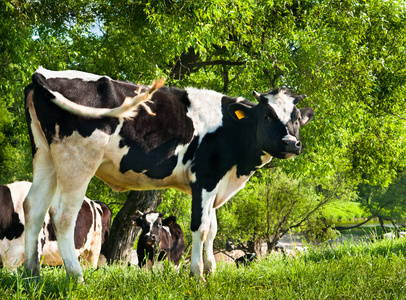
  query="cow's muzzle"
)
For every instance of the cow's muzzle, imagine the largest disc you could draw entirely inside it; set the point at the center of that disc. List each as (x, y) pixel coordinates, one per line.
(151, 240)
(293, 147)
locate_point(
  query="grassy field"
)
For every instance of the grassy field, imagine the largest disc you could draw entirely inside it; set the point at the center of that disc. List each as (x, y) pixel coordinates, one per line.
(347, 271)
(344, 211)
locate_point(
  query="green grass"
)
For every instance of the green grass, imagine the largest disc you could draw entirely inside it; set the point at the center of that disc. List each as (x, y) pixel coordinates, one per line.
(347, 271)
(344, 211)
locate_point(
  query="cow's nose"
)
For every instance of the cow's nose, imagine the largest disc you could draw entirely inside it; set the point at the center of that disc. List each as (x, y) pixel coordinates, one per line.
(293, 146)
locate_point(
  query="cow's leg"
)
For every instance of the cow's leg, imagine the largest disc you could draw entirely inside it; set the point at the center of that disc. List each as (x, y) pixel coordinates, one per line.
(36, 205)
(202, 205)
(63, 212)
(76, 160)
(209, 260)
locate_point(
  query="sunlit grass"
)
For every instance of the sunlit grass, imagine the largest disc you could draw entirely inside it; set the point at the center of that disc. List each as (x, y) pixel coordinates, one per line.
(348, 271)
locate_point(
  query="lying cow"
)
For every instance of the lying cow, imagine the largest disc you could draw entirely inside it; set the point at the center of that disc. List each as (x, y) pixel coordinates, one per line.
(137, 137)
(160, 239)
(246, 259)
(91, 230)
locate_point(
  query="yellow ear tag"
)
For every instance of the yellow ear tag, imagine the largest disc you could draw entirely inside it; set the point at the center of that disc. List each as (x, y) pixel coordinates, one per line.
(170, 224)
(240, 114)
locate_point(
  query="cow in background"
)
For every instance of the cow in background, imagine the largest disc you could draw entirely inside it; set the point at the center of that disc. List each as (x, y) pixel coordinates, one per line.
(137, 137)
(160, 238)
(246, 259)
(91, 230)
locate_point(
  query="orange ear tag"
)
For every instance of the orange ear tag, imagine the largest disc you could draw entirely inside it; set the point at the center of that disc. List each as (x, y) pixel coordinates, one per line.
(240, 114)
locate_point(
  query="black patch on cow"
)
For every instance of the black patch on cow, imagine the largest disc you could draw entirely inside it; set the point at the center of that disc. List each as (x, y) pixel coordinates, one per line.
(84, 222)
(44, 238)
(232, 144)
(10, 224)
(153, 139)
(197, 210)
(191, 150)
(103, 93)
(27, 91)
(51, 232)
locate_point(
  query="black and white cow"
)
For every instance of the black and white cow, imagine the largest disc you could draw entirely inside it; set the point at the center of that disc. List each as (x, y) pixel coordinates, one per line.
(160, 238)
(91, 230)
(135, 137)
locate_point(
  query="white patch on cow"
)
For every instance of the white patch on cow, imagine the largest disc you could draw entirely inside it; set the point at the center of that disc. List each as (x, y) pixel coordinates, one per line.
(150, 219)
(70, 74)
(229, 185)
(78, 158)
(289, 138)
(166, 228)
(204, 110)
(282, 104)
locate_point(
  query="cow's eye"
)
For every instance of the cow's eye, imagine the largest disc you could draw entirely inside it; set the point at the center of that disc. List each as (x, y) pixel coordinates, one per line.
(267, 118)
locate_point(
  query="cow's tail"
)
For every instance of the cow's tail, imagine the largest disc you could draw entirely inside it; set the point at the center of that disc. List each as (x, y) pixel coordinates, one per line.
(127, 110)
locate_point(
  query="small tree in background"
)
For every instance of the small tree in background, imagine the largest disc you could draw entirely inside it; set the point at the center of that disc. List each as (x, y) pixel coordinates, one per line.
(387, 204)
(271, 205)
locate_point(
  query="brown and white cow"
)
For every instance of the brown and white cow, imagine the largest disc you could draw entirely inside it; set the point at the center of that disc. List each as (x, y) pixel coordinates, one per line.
(201, 142)
(91, 230)
(160, 238)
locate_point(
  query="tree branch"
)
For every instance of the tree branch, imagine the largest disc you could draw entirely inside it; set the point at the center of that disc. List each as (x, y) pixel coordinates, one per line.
(214, 63)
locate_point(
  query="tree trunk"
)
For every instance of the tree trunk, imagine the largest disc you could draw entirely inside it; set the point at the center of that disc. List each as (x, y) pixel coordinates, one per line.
(122, 233)
(382, 224)
(270, 243)
(339, 228)
(255, 247)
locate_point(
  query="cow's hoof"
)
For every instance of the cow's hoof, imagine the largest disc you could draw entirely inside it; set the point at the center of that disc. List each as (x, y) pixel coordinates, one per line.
(198, 278)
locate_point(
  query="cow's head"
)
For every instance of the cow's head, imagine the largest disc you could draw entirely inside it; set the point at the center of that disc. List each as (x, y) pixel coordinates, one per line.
(153, 226)
(277, 121)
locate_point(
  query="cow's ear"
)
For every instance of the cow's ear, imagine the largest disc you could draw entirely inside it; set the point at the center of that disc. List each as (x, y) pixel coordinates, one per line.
(298, 99)
(238, 111)
(136, 221)
(307, 115)
(169, 221)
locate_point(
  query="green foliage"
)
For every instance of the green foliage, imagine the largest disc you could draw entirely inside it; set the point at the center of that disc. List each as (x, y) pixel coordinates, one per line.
(389, 203)
(270, 205)
(348, 57)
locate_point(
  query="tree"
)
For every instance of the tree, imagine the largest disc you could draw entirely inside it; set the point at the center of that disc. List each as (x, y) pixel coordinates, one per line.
(347, 56)
(271, 205)
(387, 204)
